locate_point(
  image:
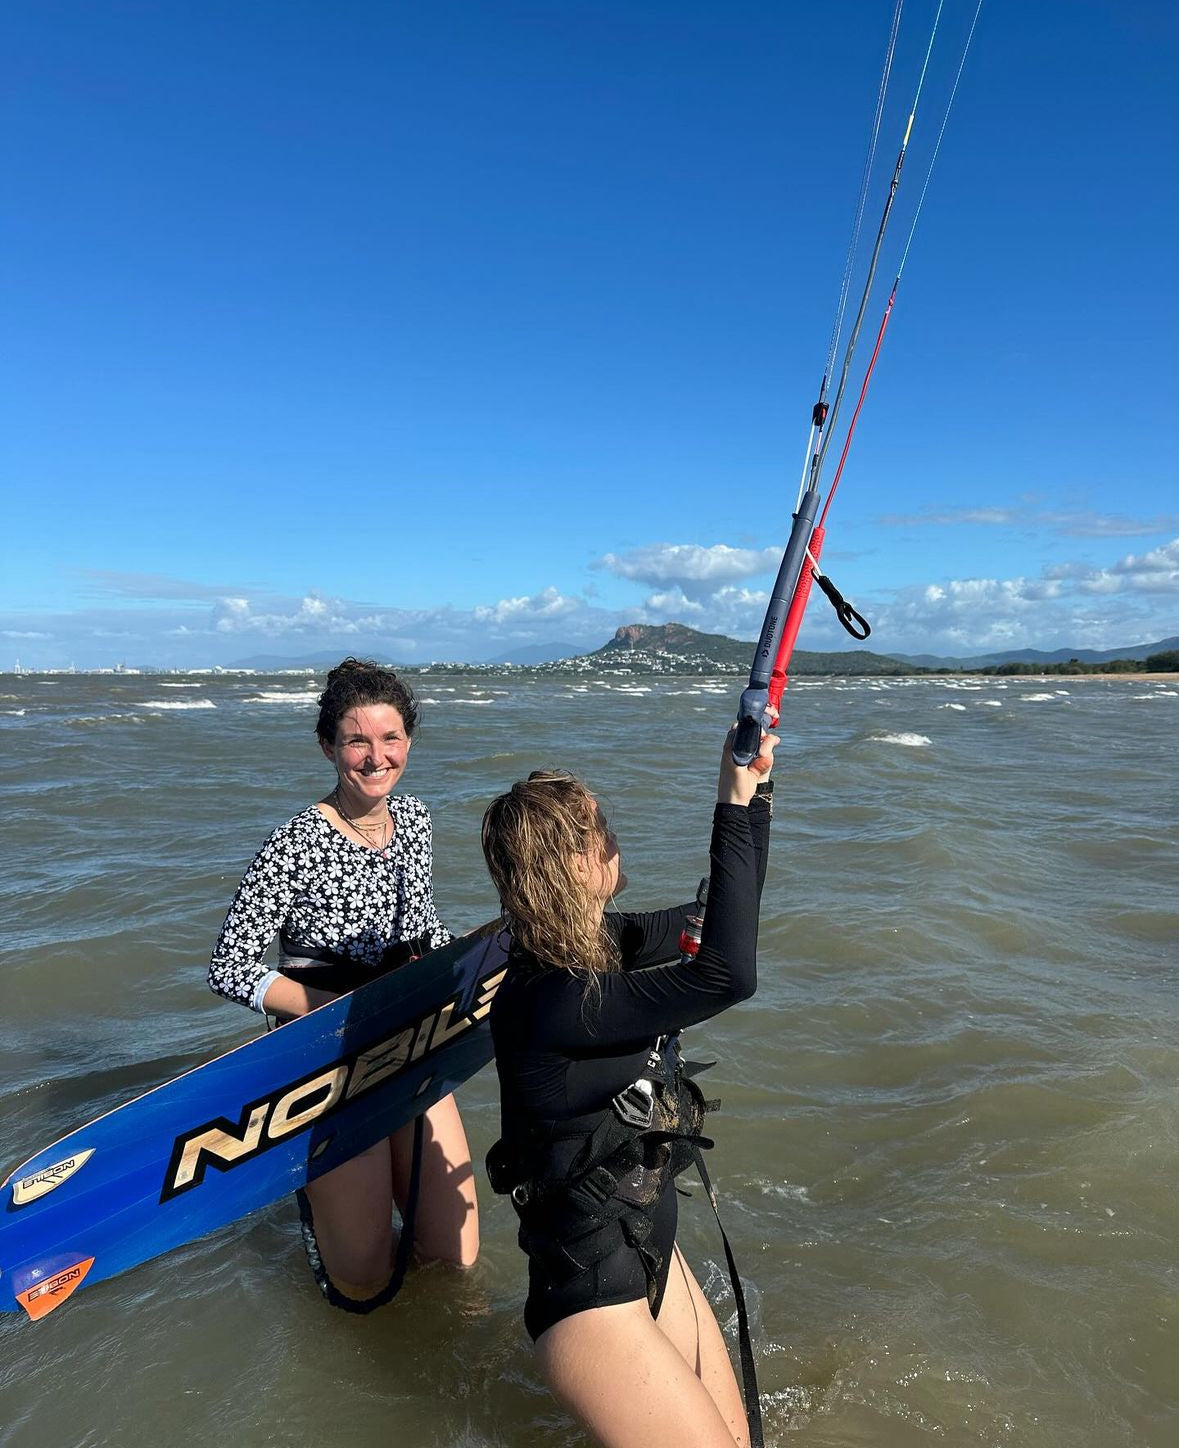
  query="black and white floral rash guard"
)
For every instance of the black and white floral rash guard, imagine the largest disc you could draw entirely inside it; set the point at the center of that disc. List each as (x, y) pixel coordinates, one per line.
(328, 899)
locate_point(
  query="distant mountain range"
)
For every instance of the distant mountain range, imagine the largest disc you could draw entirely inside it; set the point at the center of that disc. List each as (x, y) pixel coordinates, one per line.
(536, 654)
(1039, 656)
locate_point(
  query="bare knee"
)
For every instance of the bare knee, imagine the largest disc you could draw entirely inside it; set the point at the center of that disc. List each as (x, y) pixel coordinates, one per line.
(360, 1291)
(454, 1246)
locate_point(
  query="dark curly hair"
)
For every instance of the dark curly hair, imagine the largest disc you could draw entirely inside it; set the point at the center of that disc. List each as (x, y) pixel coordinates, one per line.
(354, 683)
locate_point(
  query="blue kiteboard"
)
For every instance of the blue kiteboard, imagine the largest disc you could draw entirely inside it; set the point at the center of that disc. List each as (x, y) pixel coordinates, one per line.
(247, 1128)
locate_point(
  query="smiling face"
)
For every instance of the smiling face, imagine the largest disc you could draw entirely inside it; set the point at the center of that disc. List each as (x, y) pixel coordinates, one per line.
(370, 752)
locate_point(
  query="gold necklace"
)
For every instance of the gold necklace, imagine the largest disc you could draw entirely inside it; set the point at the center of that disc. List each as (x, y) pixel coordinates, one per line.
(365, 832)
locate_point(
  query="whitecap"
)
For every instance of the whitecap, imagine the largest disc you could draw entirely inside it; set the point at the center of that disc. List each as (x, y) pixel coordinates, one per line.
(165, 685)
(910, 741)
(176, 704)
(1038, 698)
(960, 707)
(116, 718)
(991, 703)
(785, 1190)
(279, 696)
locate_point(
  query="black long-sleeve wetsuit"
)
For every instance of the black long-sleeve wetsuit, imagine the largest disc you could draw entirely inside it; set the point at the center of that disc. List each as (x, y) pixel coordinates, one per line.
(562, 1056)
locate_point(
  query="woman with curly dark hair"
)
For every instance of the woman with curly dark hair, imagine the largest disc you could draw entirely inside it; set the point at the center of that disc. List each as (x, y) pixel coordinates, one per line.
(346, 886)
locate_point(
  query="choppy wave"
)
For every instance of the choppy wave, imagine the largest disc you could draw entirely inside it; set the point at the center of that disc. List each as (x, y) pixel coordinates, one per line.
(283, 696)
(116, 716)
(177, 704)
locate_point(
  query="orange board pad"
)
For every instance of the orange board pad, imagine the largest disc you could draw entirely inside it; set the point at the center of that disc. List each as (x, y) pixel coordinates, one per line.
(53, 1291)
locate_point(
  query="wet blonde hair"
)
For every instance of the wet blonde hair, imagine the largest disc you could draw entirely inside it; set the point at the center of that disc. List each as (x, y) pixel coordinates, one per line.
(530, 838)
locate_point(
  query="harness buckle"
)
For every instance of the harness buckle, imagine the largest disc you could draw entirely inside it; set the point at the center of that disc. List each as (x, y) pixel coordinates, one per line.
(636, 1105)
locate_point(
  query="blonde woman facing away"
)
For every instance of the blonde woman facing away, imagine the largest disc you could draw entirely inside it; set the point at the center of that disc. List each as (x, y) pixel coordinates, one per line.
(597, 1118)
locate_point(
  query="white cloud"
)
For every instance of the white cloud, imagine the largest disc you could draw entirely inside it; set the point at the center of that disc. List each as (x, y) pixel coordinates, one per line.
(671, 604)
(308, 615)
(1069, 605)
(694, 570)
(1154, 572)
(544, 605)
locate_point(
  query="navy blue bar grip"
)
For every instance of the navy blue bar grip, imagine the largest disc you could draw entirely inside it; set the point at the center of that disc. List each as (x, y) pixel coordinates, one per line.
(746, 741)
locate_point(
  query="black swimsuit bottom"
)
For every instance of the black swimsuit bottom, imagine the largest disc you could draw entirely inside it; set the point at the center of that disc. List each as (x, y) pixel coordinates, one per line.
(618, 1277)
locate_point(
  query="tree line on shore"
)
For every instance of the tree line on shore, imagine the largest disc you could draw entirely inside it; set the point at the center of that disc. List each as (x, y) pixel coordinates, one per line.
(1164, 663)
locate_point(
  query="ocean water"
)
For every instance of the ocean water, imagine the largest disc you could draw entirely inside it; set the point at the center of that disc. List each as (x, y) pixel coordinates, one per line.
(949, 1147)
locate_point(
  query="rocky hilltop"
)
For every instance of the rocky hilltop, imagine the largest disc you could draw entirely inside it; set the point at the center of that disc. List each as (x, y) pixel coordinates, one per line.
(673, 643)
(674, 648)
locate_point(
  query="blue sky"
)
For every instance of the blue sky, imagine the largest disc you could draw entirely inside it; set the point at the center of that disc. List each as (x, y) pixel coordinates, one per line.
(442, 330)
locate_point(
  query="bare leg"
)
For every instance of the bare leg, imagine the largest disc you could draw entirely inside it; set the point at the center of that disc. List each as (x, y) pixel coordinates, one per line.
(688, 1322)
(353, 1211)
(447, 1224)
(353, 1204)
(628, 1382)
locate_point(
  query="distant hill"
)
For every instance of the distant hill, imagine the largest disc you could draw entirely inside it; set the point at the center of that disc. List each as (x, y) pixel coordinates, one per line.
(664, 647)
(1040, 656)
(676, 639)
(536, 654)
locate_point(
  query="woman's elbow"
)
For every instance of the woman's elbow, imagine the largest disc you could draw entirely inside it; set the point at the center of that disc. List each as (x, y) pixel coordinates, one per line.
(217, 983)
(745, 989)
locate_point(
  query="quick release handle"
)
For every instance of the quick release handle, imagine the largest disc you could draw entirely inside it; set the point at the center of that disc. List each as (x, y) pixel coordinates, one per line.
(747, 740)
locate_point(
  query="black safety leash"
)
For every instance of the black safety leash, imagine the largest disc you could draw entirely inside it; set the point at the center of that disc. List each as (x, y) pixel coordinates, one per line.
(699, 1144)
(745, 1344)
(405, 1244)
(855, 623)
